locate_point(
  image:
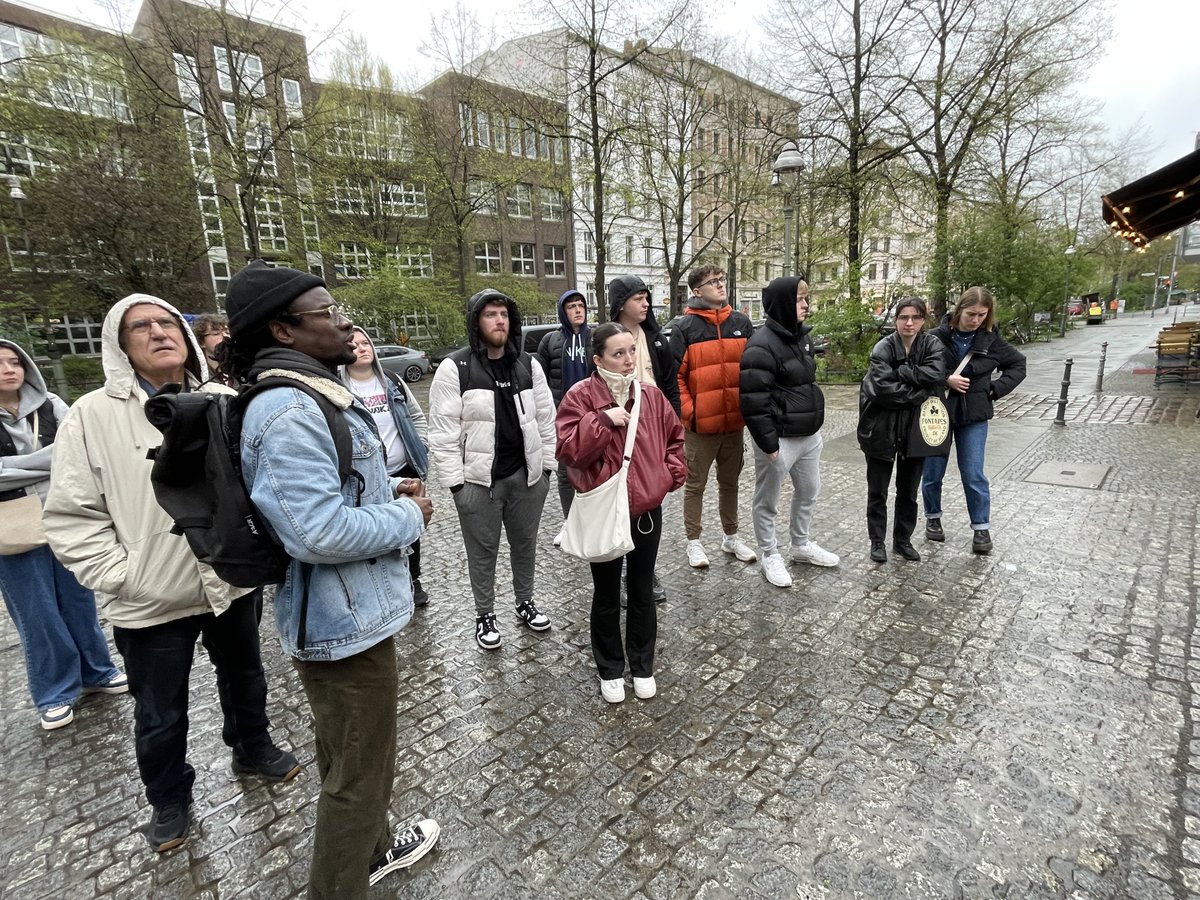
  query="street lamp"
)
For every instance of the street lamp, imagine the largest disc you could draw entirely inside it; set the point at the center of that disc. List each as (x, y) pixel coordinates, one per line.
(787, 168)
(1069, 253)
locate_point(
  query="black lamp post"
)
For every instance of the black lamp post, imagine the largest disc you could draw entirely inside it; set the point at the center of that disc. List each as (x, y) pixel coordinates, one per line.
(787, 168)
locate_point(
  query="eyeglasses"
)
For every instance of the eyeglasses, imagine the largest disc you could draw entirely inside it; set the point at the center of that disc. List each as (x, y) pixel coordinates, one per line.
(713, 282)
(142, 326)
(333, 311)
(910, 318)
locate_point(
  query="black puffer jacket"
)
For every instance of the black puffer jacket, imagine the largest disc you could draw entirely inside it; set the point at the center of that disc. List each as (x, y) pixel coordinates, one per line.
(894, 386)
(779, 394)
(662, 362)
(990, 354)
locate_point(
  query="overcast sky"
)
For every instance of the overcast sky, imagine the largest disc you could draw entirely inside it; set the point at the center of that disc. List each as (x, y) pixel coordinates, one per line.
(1148, 74)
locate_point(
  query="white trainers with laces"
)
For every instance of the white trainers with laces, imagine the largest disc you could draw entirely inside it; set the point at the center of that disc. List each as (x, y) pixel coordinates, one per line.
(774, 569)
(814, 555)
(612, 689)
(697, 558)
(558, 538)
(737, 547)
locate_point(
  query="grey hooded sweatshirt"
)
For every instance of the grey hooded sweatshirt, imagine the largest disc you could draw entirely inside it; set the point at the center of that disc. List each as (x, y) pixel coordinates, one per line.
(29, 467)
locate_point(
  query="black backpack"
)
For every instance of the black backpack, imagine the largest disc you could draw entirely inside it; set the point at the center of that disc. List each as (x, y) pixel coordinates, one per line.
(197, 479)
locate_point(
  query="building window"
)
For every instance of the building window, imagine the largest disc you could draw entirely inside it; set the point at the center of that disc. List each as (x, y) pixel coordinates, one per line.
(292, 99)
(466, 123)
(246, 66)
(557, 149)
(220, 278)
(349, 198)
(272, 234)
(483, 129)
(628, 248)
(354, 261)
(871, 272)
(590, 290)
(514, 136)
(886, 269)
(530, 141)
(874, 245)
(311, 230)
(487, 257)
(887, 245)
(589, 248)
(555, 259)
(520, 201)
(647, 251)
(483, 196)
(553, 205)
(415, 262)
(522, 259)
(501, 135)
(406, 198)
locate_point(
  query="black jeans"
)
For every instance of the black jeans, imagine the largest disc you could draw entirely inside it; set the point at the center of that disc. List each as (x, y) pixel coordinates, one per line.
(414, 557)
(641, 618)
(353, 704)
(158, 661)
(908, 479)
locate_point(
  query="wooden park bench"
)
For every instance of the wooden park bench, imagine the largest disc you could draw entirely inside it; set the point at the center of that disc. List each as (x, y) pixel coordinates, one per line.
(1177, 354)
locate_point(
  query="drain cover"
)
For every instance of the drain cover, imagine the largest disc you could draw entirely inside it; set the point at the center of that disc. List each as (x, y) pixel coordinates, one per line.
(1069, 474)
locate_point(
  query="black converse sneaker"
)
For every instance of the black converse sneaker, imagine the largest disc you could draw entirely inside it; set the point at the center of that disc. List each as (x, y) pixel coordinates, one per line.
(408, 846)
(528, 613)
(487, 635)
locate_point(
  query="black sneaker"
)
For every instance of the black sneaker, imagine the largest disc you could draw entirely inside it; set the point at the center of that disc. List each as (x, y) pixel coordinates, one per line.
(657, 591)
(528, 613)
(408, 846)
(420, 595)
(982, 541)
(487, 635)
(878, 553)
(274, 765)
(933, 530)
(907, 550)
(168, 826)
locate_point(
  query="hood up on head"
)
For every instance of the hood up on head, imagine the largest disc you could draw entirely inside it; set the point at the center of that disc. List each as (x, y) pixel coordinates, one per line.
(119, 377)
(475, 306)
(621, 289)
(33, 392)
(779, 301)
(562, 311)
(343, 372)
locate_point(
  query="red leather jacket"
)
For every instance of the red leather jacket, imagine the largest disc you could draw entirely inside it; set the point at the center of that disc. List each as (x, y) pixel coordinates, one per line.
(591, 447)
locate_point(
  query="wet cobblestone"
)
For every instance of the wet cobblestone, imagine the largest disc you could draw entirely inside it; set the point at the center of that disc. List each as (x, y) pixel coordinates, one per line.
(1020, 725)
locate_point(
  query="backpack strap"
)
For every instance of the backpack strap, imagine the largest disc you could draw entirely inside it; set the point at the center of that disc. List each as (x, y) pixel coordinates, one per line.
(333, 417)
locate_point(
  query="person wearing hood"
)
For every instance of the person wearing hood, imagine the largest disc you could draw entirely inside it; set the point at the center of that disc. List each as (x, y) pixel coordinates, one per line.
(401, 425)
(104, 524)
(630, 306)
(565, 361)
(66, 653)
(491, 432)
(347, 593)
(706, 347)
(784, 410)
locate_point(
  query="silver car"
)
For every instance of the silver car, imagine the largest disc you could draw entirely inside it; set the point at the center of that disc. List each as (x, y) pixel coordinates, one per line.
(406, 362)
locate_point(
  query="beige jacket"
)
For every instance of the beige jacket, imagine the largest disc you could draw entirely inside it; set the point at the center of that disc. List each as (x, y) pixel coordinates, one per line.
(101, 518)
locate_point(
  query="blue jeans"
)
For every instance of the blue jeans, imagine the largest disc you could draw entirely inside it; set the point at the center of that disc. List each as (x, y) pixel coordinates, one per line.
(65, 650)
(969, 444)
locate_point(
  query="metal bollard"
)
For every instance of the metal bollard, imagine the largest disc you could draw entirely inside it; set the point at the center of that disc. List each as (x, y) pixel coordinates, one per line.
(1061, 418)
(1100, 374)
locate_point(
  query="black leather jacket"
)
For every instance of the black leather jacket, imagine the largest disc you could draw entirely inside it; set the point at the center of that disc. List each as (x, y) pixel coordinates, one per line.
(895, 385)
(990, 354)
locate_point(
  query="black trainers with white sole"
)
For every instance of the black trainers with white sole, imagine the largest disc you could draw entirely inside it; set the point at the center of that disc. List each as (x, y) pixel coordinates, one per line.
(528, 613)
(487, 635)
(408, 846)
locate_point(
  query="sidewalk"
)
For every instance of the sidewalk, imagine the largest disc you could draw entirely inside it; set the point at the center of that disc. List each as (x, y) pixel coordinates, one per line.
(1019, 725)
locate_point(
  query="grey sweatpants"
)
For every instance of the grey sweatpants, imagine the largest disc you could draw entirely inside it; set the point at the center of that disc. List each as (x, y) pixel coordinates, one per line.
(481, 512)
(800, 459)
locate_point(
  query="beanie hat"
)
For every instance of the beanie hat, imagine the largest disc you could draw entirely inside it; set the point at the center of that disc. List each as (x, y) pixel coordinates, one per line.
(259, 293)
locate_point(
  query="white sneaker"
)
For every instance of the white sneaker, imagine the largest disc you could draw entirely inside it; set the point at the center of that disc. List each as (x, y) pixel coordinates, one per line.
(644, 688)
(739, 548)
(697, 558)
(558, 538)
(612, 689)
(774, 569)
(814, 555)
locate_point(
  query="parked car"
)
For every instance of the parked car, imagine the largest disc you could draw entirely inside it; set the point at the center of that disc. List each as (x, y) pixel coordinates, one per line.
(436, 356)
(1075, 307)
(410, 364)
(531, 335)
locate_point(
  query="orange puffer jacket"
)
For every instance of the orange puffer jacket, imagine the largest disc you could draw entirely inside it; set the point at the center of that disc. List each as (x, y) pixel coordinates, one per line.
(707, 345)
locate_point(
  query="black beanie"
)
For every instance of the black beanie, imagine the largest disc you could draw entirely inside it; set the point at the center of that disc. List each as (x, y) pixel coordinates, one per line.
(259, 293)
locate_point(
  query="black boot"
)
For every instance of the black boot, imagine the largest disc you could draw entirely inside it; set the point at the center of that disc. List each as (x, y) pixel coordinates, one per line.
(420, 595)
(907, 550)
(933, 530)
(878, 553)
(982, 542)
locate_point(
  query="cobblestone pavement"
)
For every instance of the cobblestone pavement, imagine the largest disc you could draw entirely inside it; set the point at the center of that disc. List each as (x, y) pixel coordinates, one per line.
(1020, 725)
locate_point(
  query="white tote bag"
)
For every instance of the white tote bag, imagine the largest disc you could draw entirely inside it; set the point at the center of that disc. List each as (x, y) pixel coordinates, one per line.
(597, 528)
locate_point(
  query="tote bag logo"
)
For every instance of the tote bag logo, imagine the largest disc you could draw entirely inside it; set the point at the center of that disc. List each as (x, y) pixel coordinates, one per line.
(934, 422)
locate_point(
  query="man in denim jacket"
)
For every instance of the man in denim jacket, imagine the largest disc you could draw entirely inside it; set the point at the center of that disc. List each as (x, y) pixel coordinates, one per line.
(347, 590)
